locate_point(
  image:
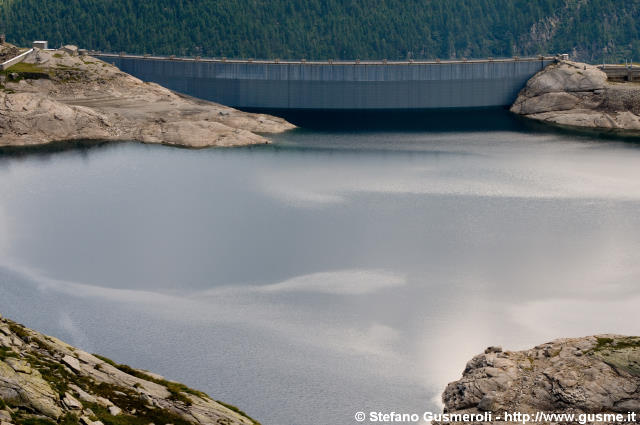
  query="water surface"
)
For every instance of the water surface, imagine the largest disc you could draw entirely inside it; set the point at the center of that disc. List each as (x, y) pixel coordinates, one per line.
(338, 270)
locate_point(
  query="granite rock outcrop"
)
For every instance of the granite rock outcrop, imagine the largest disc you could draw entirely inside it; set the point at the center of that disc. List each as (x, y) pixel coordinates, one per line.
(53, 96)
(575, 94)
(46, 381)
(573, 375)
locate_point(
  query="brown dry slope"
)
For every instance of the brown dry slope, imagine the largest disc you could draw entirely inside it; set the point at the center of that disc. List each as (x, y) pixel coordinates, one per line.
(53, 96)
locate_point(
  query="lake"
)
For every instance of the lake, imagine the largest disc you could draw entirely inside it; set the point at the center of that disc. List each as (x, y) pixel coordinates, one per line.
(343, 268)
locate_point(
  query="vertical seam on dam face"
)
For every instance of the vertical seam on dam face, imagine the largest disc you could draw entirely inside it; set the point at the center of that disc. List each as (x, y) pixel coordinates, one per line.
(340, 86)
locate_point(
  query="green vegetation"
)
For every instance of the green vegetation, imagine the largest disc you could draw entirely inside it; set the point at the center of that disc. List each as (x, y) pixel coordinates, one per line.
(17, 329)
(602, 343)
(143, 415)
(54, 373)
(26, 71)
(629, 342)
(238, 411)
(36, 421)
(129, 401)
(176, 389)
(617, 344)
(321, 29)
(135, 409)
(23, 67)
(69, 419)
(7, 352)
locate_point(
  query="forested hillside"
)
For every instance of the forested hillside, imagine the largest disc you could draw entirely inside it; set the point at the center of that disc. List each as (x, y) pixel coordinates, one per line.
(321, 29)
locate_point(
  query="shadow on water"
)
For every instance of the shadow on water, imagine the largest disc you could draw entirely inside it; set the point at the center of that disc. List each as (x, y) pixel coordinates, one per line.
(437, 121)
(380, 121)
(45, 152)
(440, 120)
(627, 137)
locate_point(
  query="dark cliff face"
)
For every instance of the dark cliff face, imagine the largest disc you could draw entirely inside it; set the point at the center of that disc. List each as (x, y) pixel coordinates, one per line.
(594, 374)
(44, 381)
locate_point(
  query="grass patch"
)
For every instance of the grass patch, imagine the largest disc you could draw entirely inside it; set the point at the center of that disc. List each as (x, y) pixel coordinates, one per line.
(69, 419)
(58, 55)
(106, 360)
(26, 71)
(627, 343)
(531, 362)
(7, 352)
(25, 67)
(143, 416)
(175, 389)
(54, 373)
(603, 342)
(238, 411)
(611, 344)
(37, 421)
(20, 331)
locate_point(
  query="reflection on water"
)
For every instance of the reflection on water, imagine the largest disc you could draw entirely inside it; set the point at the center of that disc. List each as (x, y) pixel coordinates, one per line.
(335, 271)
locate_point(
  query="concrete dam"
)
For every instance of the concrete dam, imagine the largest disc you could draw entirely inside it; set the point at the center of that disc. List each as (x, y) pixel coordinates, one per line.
(338, 85)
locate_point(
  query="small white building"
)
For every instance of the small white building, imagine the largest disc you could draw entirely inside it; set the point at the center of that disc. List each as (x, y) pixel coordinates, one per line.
(41, 44)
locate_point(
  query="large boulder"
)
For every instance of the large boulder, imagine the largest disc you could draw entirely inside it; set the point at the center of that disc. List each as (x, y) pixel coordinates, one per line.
(23, 386)
(567, 77)
(578, 95)
(578, 375)
(546, 102)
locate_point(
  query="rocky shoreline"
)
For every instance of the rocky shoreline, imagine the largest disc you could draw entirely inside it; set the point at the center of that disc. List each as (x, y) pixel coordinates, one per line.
(44, 381)
(579, 95)
(591, 375)
(55, 96)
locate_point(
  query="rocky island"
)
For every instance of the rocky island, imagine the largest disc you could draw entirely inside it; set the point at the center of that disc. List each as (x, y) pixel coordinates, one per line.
(580, 95)
(591, 375)
(56, 96)
(44, 381)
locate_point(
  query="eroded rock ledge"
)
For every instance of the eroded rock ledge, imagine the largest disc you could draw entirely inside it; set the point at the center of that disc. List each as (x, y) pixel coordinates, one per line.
(576, 375)
(44, 381)
(579, 95)
(53, 96)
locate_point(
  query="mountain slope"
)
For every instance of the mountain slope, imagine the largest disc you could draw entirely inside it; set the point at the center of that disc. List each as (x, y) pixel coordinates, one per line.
(322, 29)
(44, 381)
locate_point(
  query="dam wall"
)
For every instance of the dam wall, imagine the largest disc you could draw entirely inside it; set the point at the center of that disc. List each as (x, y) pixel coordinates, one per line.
(355, 85)
(621, 72)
